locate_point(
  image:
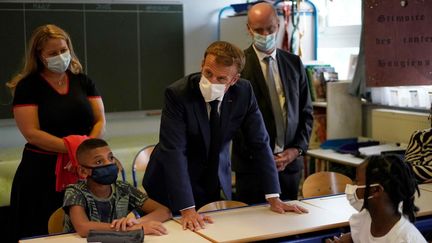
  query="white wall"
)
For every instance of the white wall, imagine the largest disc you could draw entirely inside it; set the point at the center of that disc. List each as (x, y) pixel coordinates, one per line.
(200, 19)
(200, 28)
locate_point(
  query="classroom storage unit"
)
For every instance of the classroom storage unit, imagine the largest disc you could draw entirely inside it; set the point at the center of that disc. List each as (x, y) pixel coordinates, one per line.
(340, 116)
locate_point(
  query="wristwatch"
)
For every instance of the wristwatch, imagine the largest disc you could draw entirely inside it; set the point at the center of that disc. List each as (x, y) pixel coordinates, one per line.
(300, 151)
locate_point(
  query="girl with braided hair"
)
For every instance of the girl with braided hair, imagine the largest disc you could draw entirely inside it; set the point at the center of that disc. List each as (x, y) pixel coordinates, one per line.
(384, 197)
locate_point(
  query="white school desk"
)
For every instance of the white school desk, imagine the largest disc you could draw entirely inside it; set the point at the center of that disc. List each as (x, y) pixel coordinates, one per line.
(427, 186)
(340, 205)
(424, 202)
(332, 156)
(260, 223)
(175, 234)
(336, 204)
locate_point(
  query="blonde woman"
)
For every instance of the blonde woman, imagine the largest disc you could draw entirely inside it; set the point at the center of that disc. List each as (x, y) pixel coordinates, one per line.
(52, 100)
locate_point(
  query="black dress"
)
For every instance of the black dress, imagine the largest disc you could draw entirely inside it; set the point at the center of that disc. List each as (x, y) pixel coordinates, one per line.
(33, 196)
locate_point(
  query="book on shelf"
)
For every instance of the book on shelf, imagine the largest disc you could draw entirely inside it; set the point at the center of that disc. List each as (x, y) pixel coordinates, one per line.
(319, 129)
(318, 75)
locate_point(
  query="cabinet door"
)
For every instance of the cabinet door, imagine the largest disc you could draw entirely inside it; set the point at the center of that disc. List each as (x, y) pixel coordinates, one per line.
(344, 116)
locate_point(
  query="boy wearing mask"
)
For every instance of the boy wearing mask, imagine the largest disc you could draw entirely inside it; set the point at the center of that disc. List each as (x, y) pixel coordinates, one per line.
(100, 202)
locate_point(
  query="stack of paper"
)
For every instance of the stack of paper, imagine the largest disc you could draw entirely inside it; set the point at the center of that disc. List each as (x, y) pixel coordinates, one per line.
(377, 149)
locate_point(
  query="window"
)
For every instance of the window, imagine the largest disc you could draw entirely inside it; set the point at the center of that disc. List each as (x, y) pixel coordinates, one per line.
(339, 28)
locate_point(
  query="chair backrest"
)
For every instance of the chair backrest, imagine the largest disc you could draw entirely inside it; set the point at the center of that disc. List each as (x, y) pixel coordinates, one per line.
(324, 183)
(56, 221)
(223, 204)
(121, 168)
(140, 162)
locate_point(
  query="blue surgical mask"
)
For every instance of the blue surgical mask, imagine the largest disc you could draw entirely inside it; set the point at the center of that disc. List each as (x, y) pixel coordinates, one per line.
(265, 43)
(105, 175)
(59, 63)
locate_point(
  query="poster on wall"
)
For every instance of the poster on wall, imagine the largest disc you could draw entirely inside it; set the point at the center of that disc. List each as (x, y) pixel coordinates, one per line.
(398, 42)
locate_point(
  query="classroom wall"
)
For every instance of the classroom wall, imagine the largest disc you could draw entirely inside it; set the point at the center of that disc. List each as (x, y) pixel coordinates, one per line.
(200, 19)
(200, 24)
(404, 132)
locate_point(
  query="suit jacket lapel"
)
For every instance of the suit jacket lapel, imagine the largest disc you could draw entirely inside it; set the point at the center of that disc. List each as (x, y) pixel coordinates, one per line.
(259, 78)
(225, 114)
(283, 75)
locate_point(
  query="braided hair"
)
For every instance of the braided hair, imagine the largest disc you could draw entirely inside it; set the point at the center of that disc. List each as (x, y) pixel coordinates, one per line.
(397, 179)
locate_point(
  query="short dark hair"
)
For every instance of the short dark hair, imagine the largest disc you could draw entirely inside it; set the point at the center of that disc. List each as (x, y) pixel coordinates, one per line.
(88, 145)
(397, 179)
(226, 54)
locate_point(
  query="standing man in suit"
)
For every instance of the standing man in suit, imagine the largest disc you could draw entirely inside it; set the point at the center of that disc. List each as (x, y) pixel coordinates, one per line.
(280, 84)
(191, 165)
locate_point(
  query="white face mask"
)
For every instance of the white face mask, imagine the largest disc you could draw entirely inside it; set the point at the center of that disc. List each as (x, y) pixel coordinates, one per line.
(211, 91)
(265, 43)
(60, 63)
(350, 191)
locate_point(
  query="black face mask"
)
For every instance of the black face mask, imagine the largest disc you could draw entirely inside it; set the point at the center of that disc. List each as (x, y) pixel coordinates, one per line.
(105, 175)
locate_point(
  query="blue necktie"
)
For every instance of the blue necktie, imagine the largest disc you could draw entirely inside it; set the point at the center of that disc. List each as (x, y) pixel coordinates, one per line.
(276, 107)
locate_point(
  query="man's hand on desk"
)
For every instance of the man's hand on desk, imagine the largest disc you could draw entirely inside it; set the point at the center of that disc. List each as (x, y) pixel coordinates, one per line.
(194, 221)
(285, 157)
(278, 206)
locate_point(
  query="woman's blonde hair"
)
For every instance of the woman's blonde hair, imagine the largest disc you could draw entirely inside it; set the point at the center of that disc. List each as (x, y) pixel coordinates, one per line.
(32, 62)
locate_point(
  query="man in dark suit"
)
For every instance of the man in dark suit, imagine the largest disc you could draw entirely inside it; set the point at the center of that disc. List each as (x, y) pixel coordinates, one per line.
(191, 164)
(281, 88)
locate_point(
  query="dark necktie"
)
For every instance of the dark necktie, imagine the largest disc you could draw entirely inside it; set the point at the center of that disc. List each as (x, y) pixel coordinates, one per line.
(214, 131)
(276, 107)
(212, 178)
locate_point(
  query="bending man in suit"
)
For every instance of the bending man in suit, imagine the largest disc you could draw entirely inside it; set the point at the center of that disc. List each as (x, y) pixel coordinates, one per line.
(190, 166)
(280, 85)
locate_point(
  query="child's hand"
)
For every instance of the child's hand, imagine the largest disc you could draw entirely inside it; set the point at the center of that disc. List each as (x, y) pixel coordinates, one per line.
(341, 239)
(329, 240)
(70, 167)
(153, 228)
(123, 224)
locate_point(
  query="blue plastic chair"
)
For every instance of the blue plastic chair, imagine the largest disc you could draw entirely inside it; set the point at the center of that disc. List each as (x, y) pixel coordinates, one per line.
(140, 162)
(123, 173)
